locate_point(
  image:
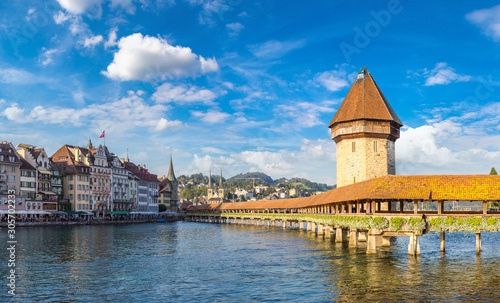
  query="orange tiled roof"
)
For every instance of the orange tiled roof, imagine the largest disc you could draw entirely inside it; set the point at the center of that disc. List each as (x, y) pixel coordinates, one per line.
(386, 188)
(365, 100)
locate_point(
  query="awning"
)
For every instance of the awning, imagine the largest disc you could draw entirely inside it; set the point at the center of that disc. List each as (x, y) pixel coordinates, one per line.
(45, 172)
(37, 212)
(118, 213)
(56, 212)
(168, 213)
(48, 193)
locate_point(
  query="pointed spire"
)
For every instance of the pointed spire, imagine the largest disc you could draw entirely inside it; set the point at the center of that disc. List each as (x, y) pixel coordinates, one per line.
(171, 176)
(127, 156)
(210, 178)
(365, 101)
(89, 145)
(220, 181)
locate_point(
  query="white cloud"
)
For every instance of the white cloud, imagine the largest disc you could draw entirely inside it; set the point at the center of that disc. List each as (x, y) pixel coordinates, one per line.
(213, 150)
(234, 28)
(48, 56)
(148, 58)
(333, 80)
(92, 41)
(111, 39)
(61, 17)
(443, 74)
(211, 10)
(305, 114)
(488, 20)
(126, 5)
(183, 94)
(17, 76)
(120, 116)
(211, 116)
(79, 6)
(15, 113)
(164, 124)
(275, 49)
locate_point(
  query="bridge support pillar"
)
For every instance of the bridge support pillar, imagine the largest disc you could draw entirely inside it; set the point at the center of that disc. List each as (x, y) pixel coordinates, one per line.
(442, 241)
(386, 241)
(371, 244)
(340, 235)
(414, 246)
(320, 229)
(328, 230)
(362, 236)
(478, 242)
(353, 239)
(313, 226)
(284, 224)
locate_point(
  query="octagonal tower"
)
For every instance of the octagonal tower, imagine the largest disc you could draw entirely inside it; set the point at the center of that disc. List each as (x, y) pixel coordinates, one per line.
(365, 129)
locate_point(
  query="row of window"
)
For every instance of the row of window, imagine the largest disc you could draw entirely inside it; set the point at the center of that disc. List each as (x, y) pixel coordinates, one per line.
(28, 184)
(5, 169)
(9, 158)
(79, 178)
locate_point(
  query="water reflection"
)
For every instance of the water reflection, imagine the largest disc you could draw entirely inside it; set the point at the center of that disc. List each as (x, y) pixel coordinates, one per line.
(193, 262)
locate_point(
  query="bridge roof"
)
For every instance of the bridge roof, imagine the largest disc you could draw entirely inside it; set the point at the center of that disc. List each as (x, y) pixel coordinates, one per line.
(387, 188)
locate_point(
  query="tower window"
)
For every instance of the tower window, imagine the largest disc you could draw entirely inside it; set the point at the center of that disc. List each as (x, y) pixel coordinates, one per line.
(353, 147)
(375, 147)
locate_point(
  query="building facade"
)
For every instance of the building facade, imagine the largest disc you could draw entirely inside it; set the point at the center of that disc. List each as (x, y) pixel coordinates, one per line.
(76, 176)
(365, 129)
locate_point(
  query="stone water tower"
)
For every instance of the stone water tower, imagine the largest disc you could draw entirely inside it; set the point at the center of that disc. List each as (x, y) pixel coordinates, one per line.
(365, 129)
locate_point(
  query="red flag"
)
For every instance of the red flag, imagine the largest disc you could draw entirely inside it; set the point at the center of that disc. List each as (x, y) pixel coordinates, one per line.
(102, 135)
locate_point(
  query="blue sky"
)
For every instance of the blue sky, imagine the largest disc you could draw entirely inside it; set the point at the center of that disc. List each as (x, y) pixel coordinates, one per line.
(248, 85)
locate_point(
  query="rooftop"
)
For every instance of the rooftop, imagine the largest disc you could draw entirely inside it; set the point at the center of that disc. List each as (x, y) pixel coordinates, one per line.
(366, 101)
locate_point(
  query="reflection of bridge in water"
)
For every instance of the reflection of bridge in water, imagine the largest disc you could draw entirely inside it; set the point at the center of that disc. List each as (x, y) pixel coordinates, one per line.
(369, 203)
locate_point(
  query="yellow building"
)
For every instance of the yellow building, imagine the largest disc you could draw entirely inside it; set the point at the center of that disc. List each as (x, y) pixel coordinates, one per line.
(76, 180)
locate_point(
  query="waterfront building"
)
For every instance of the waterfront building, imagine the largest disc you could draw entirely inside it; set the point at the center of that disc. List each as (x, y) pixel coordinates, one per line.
(76, 176)
(131, 186)
(148, 188)
(100, 179)
(120, 182)
(10, 164)
(365, 129)
(56, 184)
(169, 193)
(27, 185)
(38, 158)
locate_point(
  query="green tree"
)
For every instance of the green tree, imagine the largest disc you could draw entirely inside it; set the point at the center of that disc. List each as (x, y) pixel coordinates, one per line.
(493, 172)
(162, 207)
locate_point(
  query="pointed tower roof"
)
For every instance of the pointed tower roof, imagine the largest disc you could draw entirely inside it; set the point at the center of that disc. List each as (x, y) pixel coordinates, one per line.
(220, 181)
(171, 175)
(365, 100)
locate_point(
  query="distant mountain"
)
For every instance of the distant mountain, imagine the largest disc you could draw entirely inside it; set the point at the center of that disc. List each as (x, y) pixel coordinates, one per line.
(298, 182)
(261, 176)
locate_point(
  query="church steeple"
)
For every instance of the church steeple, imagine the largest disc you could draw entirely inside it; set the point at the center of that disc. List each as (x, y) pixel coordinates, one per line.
(127, 156)
(89, 145)
(171, 175)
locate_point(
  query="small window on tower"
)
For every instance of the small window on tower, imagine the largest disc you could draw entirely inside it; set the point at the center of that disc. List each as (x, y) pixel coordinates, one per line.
(353, 147)
(375, 147)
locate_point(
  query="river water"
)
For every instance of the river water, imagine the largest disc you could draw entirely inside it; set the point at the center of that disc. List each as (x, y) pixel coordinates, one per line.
(198, 262)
